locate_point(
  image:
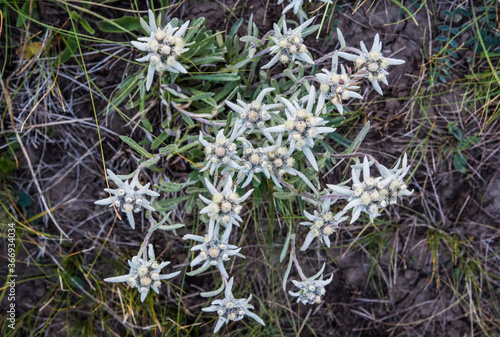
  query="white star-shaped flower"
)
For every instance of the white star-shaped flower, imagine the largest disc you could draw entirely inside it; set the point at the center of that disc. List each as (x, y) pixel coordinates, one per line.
(232, 309)
(373, 62)
(224, 207)
(128, 197)
(335, 87)
(302, 126)
(253, 115)
(311, 289)
(321, 225)
(144, 275)
(164, 47)
(288, 46)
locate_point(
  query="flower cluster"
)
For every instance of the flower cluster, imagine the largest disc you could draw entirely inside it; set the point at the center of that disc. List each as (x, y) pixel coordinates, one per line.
(222, 152)
(335, 87)
(253, 115)
(373, 194)
(214, 251)
(302, 126)
(224, 207)
(373, 62)
(289, 46)
(322, 225)
(164, 47)
(311, 289)
(231, 309)
(254, 161)
(144, 274)
(127, 197)
(282, 131)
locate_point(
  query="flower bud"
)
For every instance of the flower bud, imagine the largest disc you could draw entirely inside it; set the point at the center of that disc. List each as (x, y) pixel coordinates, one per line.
(365, 198)
(143, 270)
(153, 45)
(220, 151)
(300, 126)
(372, 66)
(324, 87)
(328, 230)
(165, 50)
(289, 125)
(375, 56)
(171, 61)
(302, 48)
(217, 198)
(282, 151)
(160, 35)
(226, 206)
(145, 281)
(313, 132)
(284, 58)
(292, 49)
(127, 207)
(283, 43)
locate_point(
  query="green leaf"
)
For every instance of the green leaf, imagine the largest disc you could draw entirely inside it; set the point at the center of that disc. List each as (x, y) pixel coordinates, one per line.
(235, 28)
(287, 272)
(285, 246)
(69, 51)
(170, 227)
(285, 195)
(125, 24)
(168, 149)
(213, 77)
(359, 138)
(168, 204)
(130, 142)
(454, 130)
(170, 187)
(24, 14)
(86, 26)
(150, 162)
(460, 163)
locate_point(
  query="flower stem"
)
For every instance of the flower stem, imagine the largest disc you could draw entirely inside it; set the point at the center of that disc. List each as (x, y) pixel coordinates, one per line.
(294, 258)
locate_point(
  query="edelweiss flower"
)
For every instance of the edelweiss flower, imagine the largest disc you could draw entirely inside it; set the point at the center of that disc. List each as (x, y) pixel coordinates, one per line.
(302, 126)
(373, 62)
(311, 289)
(397, 187)
(280, 163)
(164, 46)
(297, 7)
(289, 46)
(144, 275)
(336, 87)
(322, 224)
(213, 251)
(254, 161)
(222, 152)
(373, 194)
(128, 197)
(253, 115)
(224, 207)
(231, 309)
